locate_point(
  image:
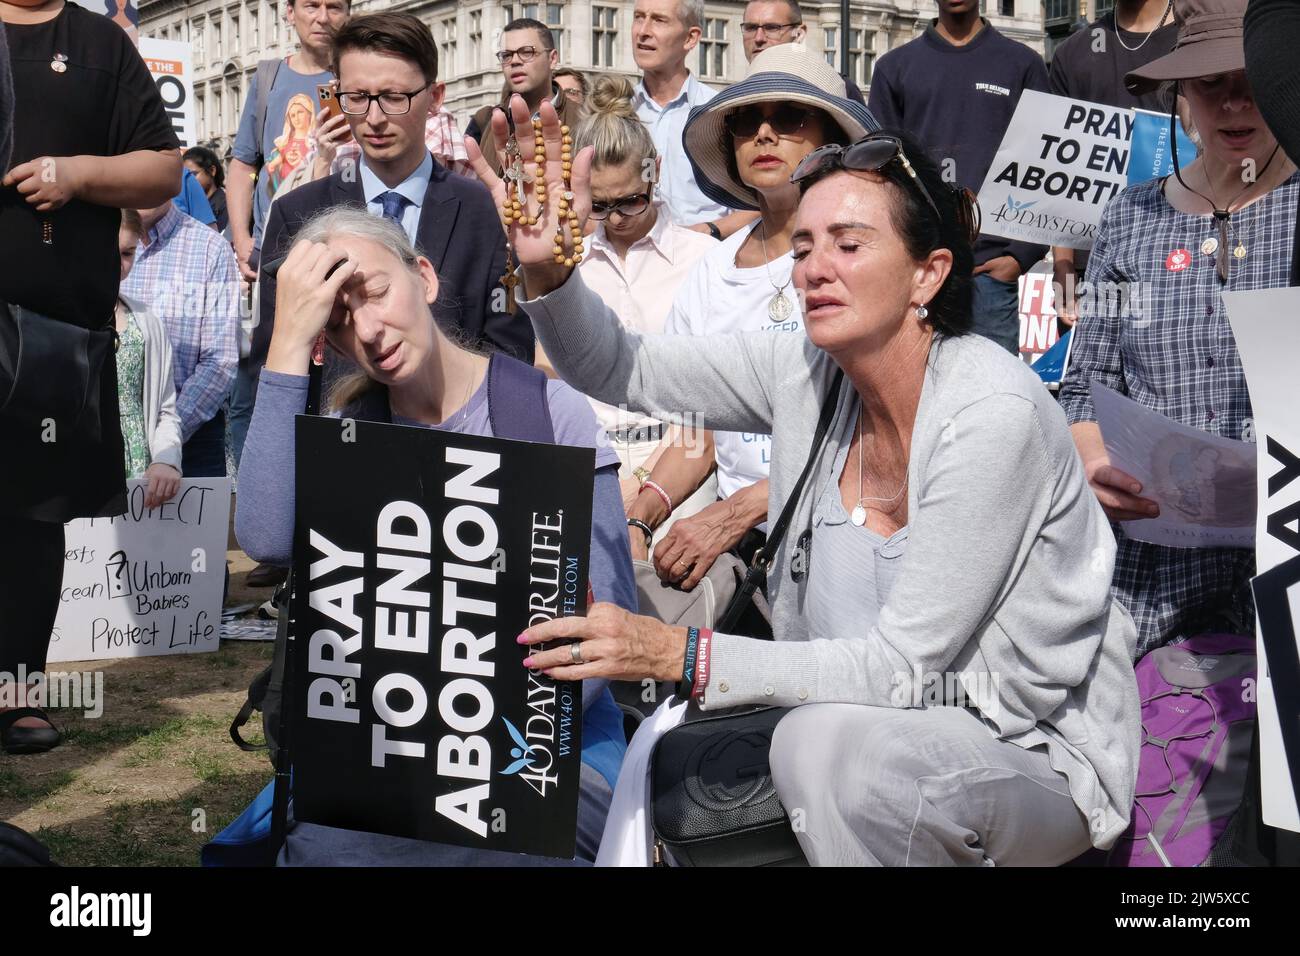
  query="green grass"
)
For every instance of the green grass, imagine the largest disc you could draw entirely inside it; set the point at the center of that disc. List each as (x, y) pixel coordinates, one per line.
(149, 747)
(33, 788)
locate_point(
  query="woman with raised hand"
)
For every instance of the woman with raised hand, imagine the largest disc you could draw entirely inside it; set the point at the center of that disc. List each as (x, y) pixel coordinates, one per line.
(959, 677)
(744, 144)
(357, 278)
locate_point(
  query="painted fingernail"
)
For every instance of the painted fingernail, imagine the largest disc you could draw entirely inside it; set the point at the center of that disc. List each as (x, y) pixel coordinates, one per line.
(528, 662)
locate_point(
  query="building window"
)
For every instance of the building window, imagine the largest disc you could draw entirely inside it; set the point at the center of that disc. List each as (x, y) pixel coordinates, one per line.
(1102, 8)
(1007, 8)
(253, 28)
(199, 38)
(234, 34)
(216, 33)
(862, 56)
(476, 39)
(604, 36)
(713, 48)
(447, 48)
(552, 14)
(831, 43)
(1059, 10)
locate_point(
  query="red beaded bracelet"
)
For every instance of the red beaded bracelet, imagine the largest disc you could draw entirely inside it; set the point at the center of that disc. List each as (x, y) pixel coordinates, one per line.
(658, 489)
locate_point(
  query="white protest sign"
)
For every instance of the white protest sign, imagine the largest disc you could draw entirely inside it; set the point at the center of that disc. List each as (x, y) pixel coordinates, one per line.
(170, 65)
(147, 582)
(1060, 162)
(1268, 341)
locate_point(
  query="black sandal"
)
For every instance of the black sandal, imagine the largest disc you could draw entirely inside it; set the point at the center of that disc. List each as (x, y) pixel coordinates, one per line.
(27, 740)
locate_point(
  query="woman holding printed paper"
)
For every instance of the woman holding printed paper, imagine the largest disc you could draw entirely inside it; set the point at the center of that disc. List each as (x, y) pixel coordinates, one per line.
(1224, 222)
(917, 560)
(357, 278)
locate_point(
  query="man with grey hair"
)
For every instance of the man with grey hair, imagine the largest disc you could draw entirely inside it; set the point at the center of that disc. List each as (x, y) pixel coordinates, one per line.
(664, 32)
(773, 22)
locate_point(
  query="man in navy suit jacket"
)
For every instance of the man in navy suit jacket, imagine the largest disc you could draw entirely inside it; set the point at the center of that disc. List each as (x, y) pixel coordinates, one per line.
(387, 67)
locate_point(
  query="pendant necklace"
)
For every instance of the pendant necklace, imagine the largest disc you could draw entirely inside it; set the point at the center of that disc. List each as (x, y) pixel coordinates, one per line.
(1223, 218)
(859, 515)
(778, 307)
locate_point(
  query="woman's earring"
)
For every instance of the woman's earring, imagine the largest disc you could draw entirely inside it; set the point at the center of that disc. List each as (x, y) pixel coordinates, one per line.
(922, 312)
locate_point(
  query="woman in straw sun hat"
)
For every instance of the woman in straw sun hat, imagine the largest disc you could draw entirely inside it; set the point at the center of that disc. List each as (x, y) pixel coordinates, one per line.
(744, 144)
(1225, 221)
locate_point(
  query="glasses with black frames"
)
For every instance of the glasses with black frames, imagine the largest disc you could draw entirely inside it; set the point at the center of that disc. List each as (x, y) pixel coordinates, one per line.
(393, 104)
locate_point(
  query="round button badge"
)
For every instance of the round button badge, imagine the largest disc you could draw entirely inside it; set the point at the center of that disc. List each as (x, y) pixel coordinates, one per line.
(1178, 260)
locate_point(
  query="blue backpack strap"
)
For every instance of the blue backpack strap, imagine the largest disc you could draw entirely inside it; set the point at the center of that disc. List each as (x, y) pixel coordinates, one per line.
(517, 403)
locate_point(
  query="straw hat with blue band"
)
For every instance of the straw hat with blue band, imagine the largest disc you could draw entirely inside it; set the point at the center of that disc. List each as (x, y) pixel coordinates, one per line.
(788, 73)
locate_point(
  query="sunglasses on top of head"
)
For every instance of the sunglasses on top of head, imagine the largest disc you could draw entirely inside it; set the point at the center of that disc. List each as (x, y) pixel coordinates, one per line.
(871, 154)
(786, 120)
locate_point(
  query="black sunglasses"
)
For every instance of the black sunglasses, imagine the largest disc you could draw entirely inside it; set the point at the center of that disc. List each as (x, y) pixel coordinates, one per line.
(870, 154)
(633, 205)
(786, 120)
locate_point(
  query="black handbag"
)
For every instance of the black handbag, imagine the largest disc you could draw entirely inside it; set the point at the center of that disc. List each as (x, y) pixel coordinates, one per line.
(52, 370)
(713, 802)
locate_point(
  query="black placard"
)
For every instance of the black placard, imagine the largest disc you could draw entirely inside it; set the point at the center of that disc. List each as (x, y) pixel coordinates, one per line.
(420, 555)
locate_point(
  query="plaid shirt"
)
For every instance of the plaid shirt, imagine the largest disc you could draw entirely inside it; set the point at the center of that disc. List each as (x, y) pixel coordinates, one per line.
(1167, 344)
(187, 276)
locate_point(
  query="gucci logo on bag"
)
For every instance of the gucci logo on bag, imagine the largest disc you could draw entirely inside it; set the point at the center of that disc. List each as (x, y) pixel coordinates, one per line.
(731, 771)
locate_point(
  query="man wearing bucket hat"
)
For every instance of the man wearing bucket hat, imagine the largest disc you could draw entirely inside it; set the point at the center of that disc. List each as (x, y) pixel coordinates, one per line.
(743, 146)
(955, 88)
(1225, 221)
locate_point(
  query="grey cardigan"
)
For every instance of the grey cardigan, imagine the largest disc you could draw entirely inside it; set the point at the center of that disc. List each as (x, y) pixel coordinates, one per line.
(161, 422)
(1006, 579)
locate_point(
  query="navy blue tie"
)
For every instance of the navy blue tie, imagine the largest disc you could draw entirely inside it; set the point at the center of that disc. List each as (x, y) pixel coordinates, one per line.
(394, 204)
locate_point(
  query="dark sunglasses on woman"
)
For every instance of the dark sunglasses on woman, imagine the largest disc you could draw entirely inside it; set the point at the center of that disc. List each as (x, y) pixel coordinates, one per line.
(786, 120)
(632, 205)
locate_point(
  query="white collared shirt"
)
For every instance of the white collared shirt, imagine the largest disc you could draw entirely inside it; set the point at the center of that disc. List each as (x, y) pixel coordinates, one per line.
(640, 288)
(677, 187)
(413, 187)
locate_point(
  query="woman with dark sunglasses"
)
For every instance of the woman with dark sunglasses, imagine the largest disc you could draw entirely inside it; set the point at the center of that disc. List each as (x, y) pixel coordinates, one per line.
(957, 672)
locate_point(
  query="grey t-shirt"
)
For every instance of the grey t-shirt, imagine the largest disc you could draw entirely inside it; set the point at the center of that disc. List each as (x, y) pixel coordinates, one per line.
(284, 142)
(851, 570)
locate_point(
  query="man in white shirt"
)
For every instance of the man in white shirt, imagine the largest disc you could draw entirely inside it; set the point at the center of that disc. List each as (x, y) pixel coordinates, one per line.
(664, 32)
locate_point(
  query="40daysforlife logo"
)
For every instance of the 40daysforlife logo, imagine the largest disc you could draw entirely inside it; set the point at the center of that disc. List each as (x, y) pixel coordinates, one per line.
(523, 752)
(1022, 213)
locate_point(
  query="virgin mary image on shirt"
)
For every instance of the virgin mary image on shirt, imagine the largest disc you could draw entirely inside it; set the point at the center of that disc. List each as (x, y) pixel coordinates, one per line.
(294, 144)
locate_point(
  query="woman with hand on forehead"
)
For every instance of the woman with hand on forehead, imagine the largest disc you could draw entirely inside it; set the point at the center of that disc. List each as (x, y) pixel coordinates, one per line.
(950, 535)
(356, 281)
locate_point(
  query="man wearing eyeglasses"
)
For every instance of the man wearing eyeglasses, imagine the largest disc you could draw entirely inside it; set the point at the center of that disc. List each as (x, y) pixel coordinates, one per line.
(387, 65)
(773, 22)
(528, 61)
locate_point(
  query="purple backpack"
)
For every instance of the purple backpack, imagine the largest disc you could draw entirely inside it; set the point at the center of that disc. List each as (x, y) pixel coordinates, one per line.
(1198, 712)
